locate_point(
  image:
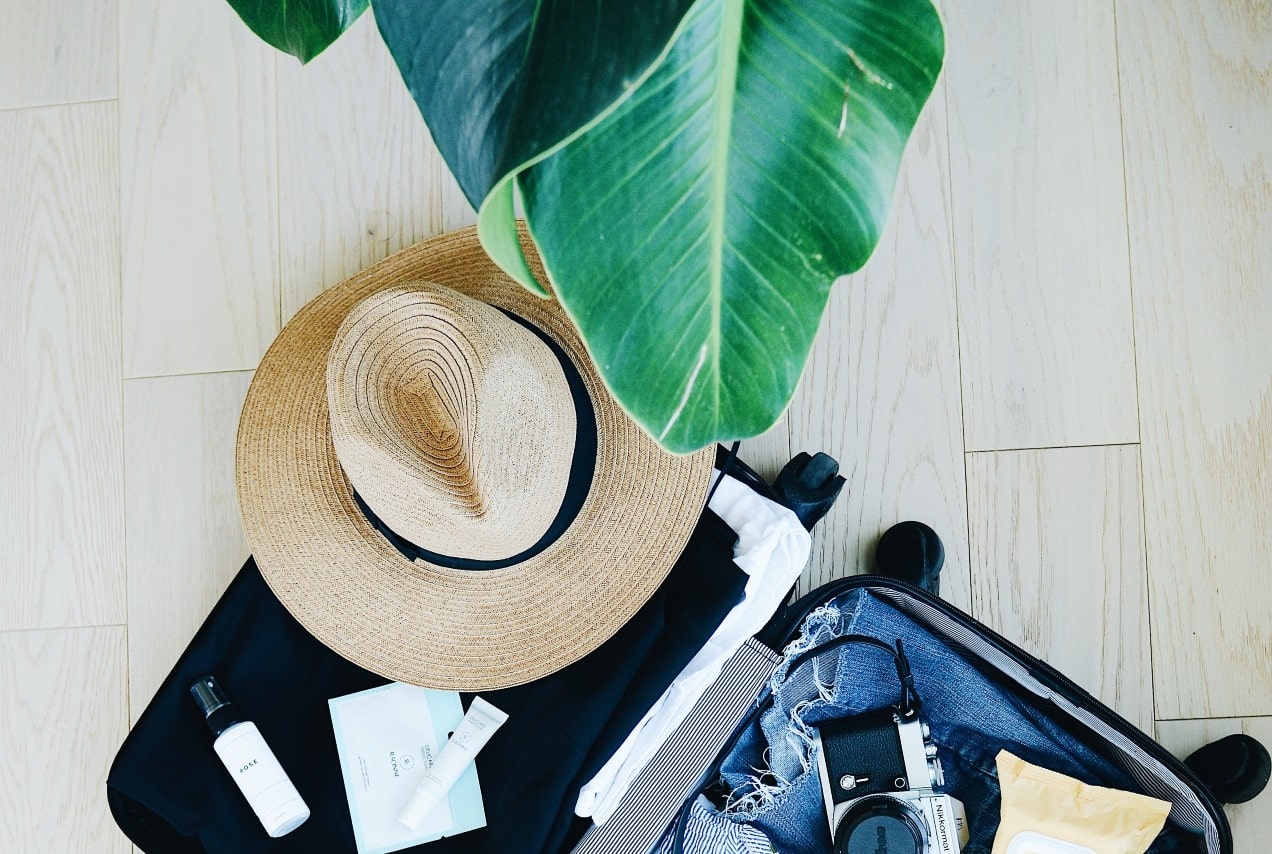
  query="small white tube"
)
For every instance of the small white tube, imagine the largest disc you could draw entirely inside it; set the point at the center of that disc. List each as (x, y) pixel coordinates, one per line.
(478, 725)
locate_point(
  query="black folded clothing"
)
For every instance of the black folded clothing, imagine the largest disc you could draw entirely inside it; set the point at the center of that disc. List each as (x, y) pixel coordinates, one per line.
(170, 793)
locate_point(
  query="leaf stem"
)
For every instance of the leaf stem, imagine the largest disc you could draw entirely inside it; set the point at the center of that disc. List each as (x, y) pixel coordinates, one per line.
(726, 95)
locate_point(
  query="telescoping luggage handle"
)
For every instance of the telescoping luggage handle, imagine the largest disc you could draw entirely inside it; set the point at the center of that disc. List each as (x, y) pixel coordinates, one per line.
(907, 706)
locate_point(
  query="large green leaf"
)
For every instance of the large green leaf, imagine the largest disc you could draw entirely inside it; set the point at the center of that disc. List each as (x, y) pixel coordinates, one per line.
(503, 82)
(303, 28)
(694, 234)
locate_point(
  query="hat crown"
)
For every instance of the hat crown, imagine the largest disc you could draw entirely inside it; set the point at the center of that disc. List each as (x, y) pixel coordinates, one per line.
(422, 404)
(453, 422)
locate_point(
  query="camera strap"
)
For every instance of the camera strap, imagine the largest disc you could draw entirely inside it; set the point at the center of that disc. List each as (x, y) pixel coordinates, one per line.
(909, 704)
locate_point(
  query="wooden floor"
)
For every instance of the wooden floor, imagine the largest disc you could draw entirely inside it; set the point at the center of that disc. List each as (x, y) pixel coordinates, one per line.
(1060, 356)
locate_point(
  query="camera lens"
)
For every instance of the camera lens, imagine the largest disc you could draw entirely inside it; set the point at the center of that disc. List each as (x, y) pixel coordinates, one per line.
(880, 824)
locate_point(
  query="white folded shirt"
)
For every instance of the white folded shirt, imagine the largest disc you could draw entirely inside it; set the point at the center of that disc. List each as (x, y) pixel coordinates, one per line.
(772, 549)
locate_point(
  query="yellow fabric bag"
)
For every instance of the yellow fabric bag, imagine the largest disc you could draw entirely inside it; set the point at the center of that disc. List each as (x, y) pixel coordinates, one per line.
(1048, 813)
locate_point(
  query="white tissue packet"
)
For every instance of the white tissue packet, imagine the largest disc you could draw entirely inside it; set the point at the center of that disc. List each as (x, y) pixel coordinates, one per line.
(387, 737)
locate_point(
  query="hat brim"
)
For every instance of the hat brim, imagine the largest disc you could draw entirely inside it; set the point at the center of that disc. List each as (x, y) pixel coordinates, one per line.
(427, 624)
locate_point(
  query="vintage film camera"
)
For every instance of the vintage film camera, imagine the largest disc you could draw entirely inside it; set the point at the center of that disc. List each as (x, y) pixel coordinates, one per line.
(881, 781)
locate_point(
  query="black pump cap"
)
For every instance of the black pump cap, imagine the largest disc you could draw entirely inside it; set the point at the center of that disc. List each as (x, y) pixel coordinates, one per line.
(216, 707)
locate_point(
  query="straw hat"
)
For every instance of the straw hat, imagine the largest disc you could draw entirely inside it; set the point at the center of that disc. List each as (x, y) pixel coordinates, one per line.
(436, 484)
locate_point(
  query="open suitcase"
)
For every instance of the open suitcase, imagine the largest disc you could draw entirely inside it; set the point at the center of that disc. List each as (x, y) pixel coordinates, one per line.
(673, 805)
(655, 814)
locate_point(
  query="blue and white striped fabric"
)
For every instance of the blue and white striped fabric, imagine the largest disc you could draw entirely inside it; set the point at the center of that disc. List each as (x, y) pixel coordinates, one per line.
(707, 830)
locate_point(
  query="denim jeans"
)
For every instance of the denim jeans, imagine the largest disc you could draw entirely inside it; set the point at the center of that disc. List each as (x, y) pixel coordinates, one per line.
(772, 773)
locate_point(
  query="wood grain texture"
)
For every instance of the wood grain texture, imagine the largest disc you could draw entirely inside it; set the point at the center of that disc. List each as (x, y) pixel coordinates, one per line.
(769, 452)
(198, 189)
(1197, 108)
(57, 52)
(1039, 225)
(1058, 565)
(881, 392)
(63, 709)
(1251, 822)
(185, 537)
(359, 176)
(61, 473)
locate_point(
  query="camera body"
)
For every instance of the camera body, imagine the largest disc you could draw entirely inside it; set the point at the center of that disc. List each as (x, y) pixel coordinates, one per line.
(880, 779)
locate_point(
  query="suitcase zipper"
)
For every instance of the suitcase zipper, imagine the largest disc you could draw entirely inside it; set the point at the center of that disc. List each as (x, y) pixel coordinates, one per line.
(788, 622)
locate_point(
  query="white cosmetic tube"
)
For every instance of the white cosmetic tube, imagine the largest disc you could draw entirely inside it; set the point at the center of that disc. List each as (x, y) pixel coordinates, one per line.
(478, 725)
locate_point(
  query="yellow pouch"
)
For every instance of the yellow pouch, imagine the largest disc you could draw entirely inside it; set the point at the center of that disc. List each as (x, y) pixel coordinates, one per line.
(1048, 813)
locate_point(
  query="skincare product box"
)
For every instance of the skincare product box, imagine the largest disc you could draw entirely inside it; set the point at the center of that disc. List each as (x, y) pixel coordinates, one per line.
(387, 738)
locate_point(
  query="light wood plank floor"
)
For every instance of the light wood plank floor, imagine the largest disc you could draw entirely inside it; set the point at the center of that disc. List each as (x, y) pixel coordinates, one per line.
(1058, 357)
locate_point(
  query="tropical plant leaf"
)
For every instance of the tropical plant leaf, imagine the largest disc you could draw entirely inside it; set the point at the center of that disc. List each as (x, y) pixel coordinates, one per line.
(303, 28)
(502, 83)
(694, 234)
